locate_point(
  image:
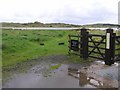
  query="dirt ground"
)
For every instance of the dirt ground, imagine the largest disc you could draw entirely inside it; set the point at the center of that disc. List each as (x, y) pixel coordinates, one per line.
(37, 74)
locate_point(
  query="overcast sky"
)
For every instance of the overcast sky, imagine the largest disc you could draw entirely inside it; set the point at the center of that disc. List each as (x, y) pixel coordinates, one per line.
(59, 11)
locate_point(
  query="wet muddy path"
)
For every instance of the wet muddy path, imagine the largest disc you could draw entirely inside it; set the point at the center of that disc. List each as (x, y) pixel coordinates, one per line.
(57, 72)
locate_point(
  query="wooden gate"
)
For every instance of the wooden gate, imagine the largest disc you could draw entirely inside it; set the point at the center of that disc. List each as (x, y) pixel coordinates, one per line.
(87, 46)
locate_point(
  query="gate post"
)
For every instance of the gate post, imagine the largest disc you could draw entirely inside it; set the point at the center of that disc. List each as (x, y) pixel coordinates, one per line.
(113, 48)
(84, 43)
(110, 47)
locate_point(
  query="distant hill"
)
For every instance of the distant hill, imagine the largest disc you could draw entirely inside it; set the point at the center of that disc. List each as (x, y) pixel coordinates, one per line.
(39, 24)
(102, 26)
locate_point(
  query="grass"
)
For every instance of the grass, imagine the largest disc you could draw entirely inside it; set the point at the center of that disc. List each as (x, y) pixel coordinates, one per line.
(55, 66)
(19, 46)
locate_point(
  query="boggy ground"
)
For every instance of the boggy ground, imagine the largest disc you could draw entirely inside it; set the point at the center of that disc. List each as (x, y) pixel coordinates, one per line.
(59, 71)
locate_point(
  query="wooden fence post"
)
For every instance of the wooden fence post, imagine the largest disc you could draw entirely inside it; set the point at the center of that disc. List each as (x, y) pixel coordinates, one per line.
(110, 47)
(113, 48)
(69, 45)
(84, 43)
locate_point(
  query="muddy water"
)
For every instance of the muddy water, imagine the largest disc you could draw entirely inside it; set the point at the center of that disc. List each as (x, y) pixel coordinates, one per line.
(96, 75)
(60, 78)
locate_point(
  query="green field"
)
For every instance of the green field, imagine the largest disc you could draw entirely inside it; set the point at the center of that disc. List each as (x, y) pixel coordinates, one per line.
(19, 46)
(23, 45)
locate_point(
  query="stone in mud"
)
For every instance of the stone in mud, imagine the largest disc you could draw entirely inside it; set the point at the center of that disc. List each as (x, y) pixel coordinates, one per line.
(84, 67)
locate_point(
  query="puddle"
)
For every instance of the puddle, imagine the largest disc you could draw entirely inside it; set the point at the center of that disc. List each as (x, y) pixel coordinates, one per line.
(60, 79)
(93, 76)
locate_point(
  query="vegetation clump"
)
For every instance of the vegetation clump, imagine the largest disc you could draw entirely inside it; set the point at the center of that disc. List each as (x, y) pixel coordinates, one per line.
(55, 66)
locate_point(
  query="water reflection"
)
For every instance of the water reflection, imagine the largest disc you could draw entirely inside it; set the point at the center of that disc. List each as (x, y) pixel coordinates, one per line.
(85, 79)
(63, 77)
